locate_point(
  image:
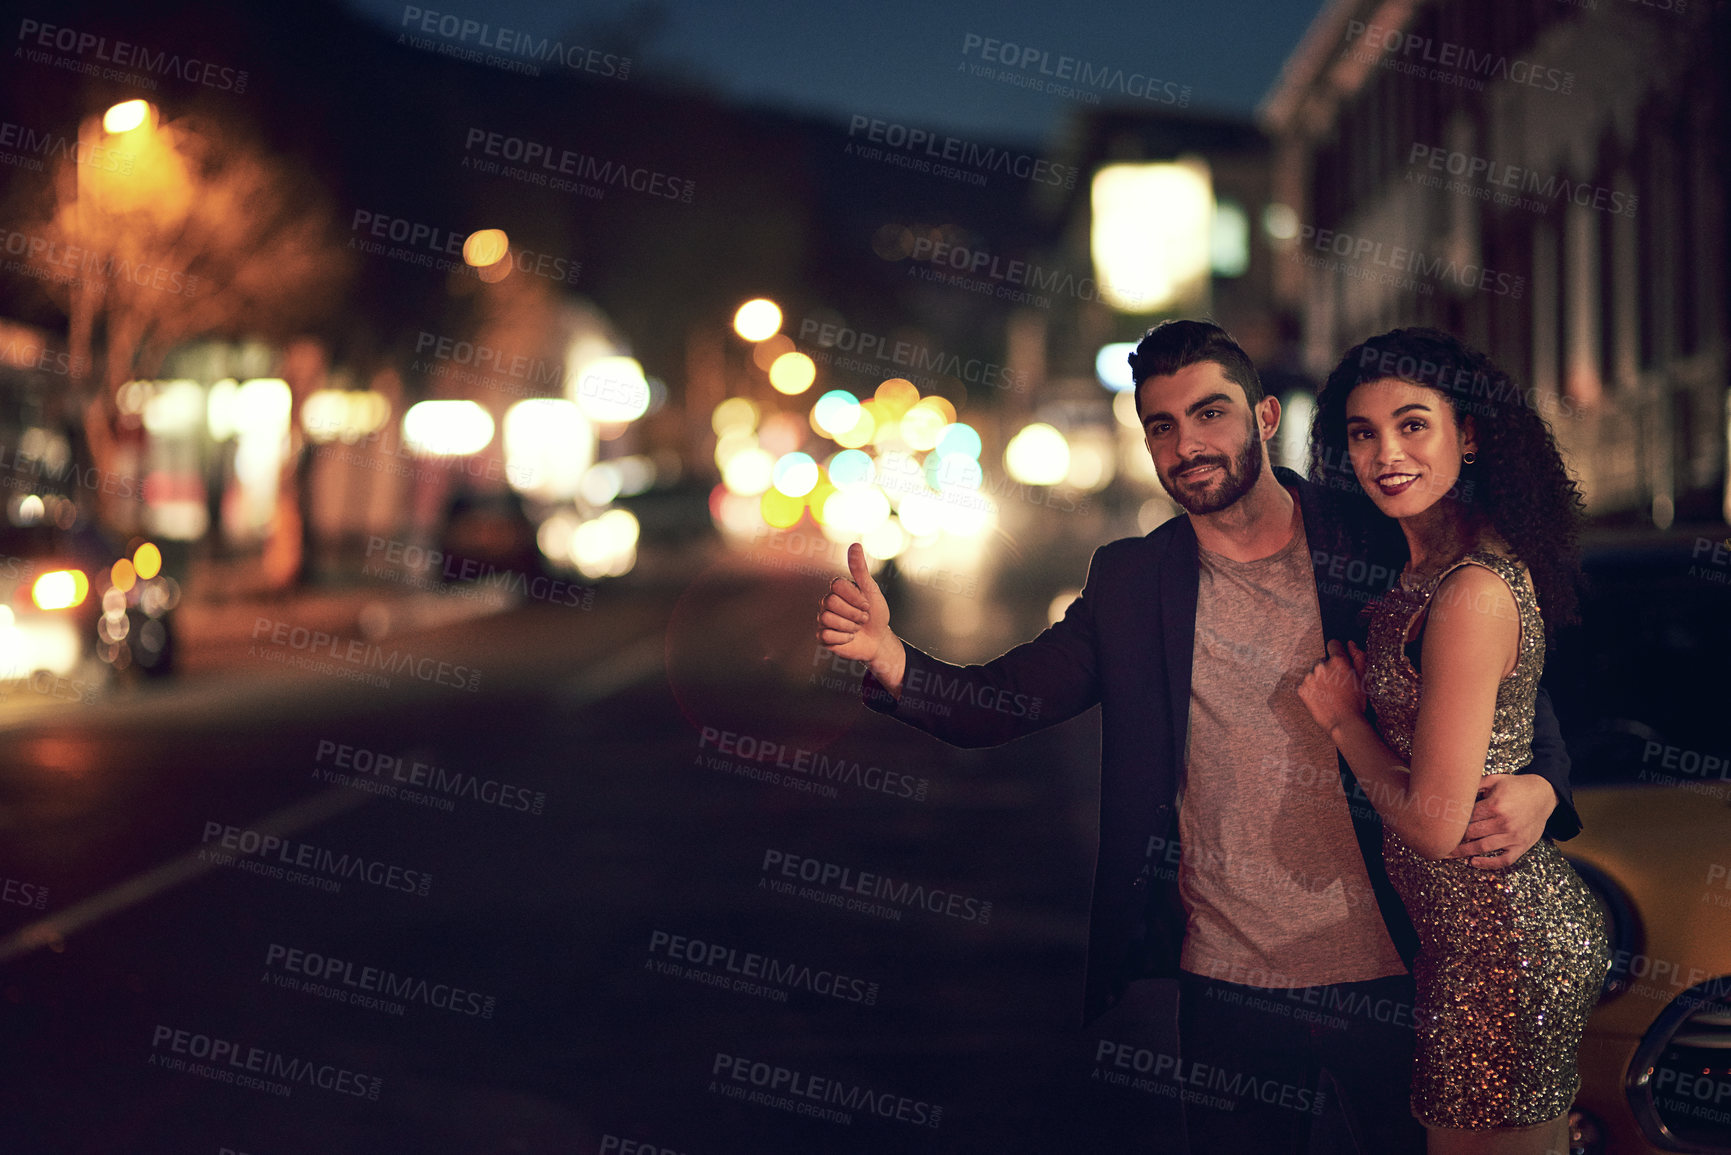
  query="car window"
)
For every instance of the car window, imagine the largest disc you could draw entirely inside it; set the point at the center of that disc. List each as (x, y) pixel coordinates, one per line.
(1640, 685)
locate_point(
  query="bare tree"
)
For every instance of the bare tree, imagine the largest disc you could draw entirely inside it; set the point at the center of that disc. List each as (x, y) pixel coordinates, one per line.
(170, 232)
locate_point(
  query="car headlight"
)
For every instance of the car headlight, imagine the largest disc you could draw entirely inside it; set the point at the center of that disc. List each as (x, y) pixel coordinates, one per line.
(60, 589)
(1622, 923)
(1679, 1083)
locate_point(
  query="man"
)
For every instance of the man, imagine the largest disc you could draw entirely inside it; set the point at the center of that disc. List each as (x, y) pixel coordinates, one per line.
(1193, 641)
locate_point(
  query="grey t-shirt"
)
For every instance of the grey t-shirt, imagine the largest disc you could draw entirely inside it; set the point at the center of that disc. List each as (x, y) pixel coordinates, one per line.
(1271, 877)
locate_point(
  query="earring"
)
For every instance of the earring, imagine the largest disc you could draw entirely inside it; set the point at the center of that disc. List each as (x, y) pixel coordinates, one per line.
(1469, 457)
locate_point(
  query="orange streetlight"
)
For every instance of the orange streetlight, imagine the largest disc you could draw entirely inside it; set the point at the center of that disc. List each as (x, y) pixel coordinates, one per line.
(128, 115)
(486, 251)
(485, 247)
(127, 130)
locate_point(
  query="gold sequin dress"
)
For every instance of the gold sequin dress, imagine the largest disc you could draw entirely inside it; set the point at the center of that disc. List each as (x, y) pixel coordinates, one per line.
(1510, 961)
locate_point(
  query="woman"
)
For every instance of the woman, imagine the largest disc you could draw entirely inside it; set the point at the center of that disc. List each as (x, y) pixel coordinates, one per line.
(1511, 961)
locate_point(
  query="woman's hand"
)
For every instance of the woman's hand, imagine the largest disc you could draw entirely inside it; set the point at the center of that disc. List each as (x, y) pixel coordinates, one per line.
(1334, 690)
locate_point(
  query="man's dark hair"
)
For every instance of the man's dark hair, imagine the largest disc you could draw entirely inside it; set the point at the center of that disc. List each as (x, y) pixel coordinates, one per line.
(1174, 345)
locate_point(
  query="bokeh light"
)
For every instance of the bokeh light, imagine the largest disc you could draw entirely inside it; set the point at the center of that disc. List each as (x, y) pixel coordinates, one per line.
(549, 446)
(485, 247)
(973, 516)
(736, 514)
(730, 445)
(860, 433)
(896, 396)
(795, 474)
(782, 433)
(600, 483)
(886, 541)
(757, 320)
(1038, 455)
(553, 536)
(1112, 366)
(921, 425)
(942, 405)
(749, 472)
(1154, 513)
(851, 467)
(326, 415)
(835, 412)
(959, 438)
(147, 561)
(767, 350)
(819, 495)
(954, 473)
(219, 406)
(612, 390)
(60, 589)
(1089, 466)
(852, 513)
(446, 428)
(1092, 462)
(735, 415)
(174, 407)
(1124, 409)
(921, 514)
(887, 431)
(126, 116)
(781, 510)
(606, 546)
(792, 373)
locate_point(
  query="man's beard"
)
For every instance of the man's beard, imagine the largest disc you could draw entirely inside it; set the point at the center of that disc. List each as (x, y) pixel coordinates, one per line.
(1240, 477)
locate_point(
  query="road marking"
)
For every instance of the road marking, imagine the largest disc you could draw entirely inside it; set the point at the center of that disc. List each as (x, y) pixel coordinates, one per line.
(618, 671)
(290, 819)
(600, 681)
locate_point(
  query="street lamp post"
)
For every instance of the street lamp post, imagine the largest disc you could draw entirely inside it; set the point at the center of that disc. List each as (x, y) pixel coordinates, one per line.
(126, 128)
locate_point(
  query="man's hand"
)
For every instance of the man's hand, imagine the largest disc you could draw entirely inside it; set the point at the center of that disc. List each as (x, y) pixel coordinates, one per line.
(1507, 820)
(854, 623)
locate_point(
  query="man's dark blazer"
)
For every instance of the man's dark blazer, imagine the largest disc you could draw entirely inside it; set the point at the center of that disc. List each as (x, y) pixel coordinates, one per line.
(1126, 643)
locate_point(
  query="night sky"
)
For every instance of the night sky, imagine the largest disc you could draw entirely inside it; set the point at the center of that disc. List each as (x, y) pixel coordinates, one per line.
(904, 59)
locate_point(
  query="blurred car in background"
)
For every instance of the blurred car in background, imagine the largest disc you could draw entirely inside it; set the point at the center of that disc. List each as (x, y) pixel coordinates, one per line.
(1640, 689)
(486, 533)
(76, 608)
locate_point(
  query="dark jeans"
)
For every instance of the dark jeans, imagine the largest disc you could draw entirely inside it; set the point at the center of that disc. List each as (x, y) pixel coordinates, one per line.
(1252, 1064)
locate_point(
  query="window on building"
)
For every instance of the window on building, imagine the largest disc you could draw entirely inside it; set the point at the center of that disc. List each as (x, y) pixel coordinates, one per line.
(1609, 369)
(1229, 244)
(1647, 260)
(1686, 224)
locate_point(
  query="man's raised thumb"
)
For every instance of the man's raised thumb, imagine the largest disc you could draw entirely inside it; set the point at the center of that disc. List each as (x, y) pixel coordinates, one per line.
(856, 564)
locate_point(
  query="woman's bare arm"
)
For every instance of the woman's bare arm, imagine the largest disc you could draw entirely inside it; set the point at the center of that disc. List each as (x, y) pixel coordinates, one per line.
(1469, 646)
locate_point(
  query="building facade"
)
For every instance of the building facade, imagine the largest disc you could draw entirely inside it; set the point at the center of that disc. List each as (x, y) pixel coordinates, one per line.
(1544, 179)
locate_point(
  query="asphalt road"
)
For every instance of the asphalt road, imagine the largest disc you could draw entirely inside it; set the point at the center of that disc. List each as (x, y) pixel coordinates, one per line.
(573, 880)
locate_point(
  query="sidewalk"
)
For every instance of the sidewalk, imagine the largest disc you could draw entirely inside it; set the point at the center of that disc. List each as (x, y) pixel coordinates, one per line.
(213, 638)
(212, 634)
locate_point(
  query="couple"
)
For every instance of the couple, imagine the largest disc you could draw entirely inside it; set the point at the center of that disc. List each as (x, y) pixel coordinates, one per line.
(1234, 727)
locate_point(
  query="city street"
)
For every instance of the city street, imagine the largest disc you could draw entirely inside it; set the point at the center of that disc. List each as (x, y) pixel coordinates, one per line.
(427, 436)
(595, 819)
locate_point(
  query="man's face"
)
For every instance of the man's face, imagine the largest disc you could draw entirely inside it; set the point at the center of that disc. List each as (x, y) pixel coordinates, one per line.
(1205, 439)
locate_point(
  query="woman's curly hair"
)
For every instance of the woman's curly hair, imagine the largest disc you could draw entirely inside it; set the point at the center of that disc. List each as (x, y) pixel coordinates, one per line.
(1518, 484)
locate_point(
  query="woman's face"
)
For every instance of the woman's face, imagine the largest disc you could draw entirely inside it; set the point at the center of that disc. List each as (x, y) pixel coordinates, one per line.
(1404, 444)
